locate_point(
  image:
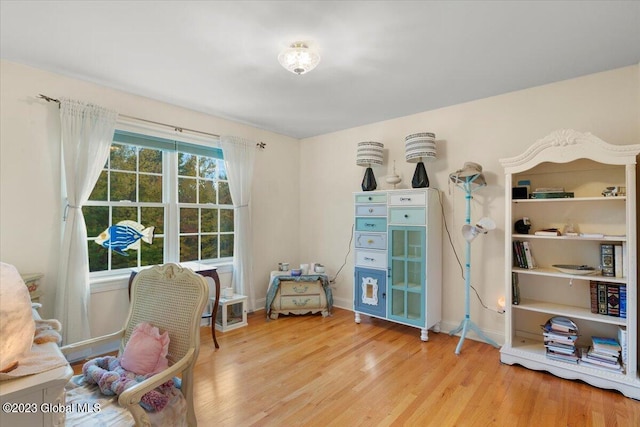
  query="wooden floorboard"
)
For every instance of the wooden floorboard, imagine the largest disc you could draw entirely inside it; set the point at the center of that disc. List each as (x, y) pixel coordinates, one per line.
(315, 371)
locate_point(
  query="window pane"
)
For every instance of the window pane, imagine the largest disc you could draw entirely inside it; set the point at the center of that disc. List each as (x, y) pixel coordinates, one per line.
(226, 220)
(224, 195)
(209, 220)
(123, 157)
(96, 218)
(209, 247)
(207, 192)
(188, 220)
(123, 186)
(122, 213)
(150, 188)
(222, 170)
(153, 217)
(226, 245)
(152, 254)
(150, 160)
(188, 248)
(208, 167)
(100, 190)
(186, 164)
(98, 257)
(186, 190)
(121, 261)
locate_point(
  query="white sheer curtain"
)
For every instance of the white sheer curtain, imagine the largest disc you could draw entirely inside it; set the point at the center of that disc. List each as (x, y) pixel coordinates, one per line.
(86, 133)
(239, 155)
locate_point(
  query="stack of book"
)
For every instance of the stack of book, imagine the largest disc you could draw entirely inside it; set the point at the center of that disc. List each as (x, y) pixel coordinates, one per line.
(560, 335)
(551, 193)
(603, 353)
(522, 255)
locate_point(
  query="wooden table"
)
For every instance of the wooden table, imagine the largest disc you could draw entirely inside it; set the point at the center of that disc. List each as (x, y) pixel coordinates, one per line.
(206, 271)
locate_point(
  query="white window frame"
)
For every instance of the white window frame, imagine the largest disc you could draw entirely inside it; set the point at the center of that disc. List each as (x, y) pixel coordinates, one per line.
(170, 195)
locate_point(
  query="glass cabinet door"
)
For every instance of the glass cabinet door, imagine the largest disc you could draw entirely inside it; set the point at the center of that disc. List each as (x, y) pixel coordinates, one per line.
(406, 274)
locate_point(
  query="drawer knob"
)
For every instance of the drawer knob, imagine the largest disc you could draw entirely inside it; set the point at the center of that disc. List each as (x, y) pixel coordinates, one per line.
(370, 210)
(406, 215)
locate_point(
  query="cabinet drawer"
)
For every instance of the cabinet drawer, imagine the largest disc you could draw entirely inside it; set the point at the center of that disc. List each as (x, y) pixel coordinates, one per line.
(298, 302)
(371, 198)
(371, 224)
(290, 287)
(373, 259)
(371, 210)
(407, 216)
(371, 240)
(408, 199)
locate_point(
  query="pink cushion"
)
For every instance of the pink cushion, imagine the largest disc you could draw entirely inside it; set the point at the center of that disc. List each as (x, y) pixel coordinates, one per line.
(146, 351)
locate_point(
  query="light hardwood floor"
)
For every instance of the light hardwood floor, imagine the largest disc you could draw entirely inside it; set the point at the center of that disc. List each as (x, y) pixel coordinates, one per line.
(315, 371)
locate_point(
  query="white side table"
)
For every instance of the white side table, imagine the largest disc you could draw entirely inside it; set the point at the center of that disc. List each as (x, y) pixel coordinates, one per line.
(232, 313)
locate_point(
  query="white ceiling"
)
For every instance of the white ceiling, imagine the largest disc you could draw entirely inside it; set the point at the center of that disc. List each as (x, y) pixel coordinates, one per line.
(380, 59)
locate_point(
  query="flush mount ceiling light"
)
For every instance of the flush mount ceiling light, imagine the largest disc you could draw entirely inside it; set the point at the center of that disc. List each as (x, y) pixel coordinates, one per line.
(299, 58)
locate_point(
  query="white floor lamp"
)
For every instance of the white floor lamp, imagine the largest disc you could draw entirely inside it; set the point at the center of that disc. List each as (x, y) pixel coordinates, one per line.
(470, 179)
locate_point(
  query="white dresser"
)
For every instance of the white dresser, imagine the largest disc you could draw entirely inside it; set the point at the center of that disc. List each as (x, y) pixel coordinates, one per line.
(38, 399)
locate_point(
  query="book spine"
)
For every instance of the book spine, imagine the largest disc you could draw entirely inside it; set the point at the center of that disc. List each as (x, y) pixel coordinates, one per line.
(602, 298)
(531, 263)
(593, 289)
(617, 260)
(606, 259)
(622, 339)
(613, 300)
(623, 301)
(517, 245)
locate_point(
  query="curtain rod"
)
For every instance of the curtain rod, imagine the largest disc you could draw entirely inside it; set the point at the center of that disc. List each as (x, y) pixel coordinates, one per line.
(176, 128)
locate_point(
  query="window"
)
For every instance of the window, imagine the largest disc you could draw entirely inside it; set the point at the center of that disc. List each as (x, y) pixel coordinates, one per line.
(159, 200)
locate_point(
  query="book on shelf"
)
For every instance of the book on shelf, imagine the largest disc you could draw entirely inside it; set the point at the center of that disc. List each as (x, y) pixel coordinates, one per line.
(587, 359)
(523, 255)
(608, 298)
(551, 195)
(605, 345)
(549, 190)
(617, 260)
(622, 340)
(606, 259)
(548, 232)
(613, 300)
(531, 262)
(515, 289)
(592, 235)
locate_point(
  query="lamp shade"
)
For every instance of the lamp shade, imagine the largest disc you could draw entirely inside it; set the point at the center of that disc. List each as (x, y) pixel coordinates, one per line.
(470, 232)
(369, 153)
(420, 146)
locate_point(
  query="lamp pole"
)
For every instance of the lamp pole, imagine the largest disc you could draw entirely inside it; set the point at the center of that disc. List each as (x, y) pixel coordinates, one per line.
(467, 324)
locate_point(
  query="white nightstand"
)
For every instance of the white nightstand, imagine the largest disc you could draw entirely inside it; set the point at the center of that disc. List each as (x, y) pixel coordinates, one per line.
(232, 313)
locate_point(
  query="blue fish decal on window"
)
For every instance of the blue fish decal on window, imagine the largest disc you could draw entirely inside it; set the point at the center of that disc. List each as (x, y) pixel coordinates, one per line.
(125, 235)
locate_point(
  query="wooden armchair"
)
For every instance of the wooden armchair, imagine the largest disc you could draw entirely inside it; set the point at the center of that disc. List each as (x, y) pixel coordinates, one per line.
(171, 298)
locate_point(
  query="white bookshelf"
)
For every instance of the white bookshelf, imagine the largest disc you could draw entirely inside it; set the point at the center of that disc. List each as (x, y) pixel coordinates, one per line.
(585, 165)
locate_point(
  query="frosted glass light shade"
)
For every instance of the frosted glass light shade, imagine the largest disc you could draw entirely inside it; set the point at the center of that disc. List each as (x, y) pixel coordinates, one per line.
(299, 58)
(369, 153)
(420, 146)
(470, 232)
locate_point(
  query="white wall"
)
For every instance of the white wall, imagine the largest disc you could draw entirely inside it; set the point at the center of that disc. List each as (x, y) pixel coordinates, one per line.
(30, 173)
(605, 104)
